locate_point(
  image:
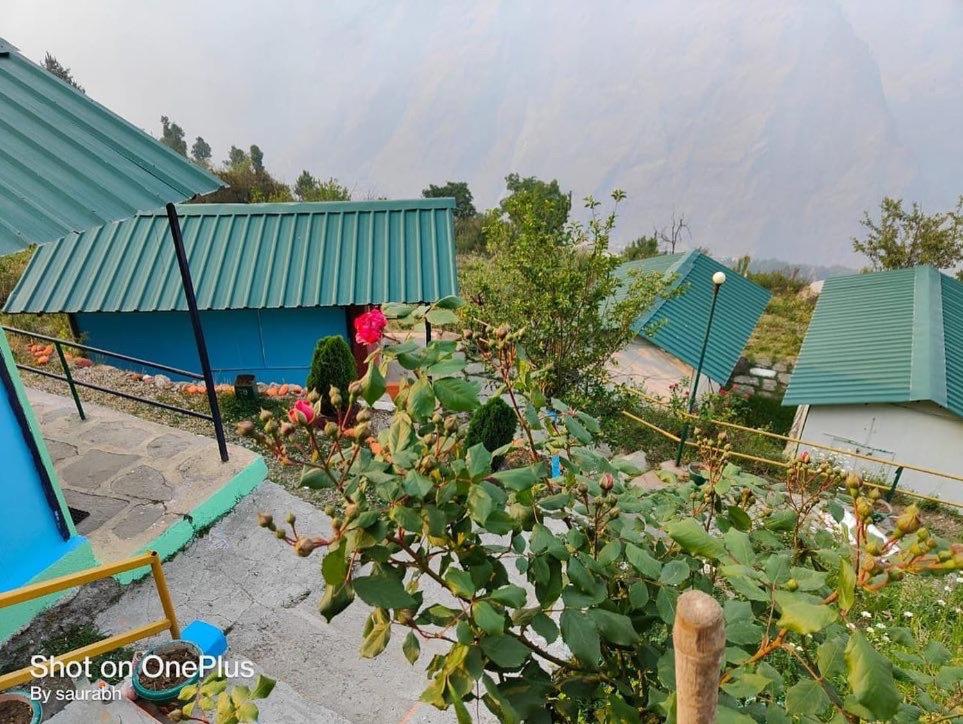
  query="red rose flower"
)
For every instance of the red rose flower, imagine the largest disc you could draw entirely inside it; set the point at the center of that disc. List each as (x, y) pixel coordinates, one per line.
(369, 327)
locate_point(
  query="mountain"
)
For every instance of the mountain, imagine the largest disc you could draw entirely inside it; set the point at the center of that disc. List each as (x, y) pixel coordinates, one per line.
(771, 125)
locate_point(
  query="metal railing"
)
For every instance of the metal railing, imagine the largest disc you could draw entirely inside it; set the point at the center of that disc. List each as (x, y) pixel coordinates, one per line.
(213, 417)
(112, 643)
(890, 489)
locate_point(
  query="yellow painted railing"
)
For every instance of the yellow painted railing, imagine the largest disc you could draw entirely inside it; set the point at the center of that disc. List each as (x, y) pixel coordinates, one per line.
(797, 441)
(43, 588)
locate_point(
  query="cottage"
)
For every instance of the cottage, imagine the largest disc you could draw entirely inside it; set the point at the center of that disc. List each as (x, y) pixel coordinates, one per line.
(270, 279)
(68, 164)
(671, 332)
(880, 372)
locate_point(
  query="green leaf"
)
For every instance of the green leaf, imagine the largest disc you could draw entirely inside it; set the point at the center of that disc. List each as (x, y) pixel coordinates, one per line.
(479, 503)
(581, 636)
(417, 485)
(439, 317)
(579, 575)
(694, 539)
(479, 461)
(460, 582)
(411, 647)
(674, 572)
(739, 518)
(725, 715)
(407, 518)
(801, 616)
(506, 651)
(936, 653)
(334, 600)
(488, 619)
(450, 302)
(376, 639)
(638, 595)
(781, 520)
(456, 394)
(739, 546)
(545, 627)
(373, 384)
(846, 587)
(642, 561)
(610, 553)
(263, 686)
(510, 595)
(746, 684)
(334, 566)
(576, 430)
(870, 677)
(315, 478)
(806, 698)
(829, 657)
(521, 479)
(383, 591)
(665, 601)
(421, 399)
(614, 626)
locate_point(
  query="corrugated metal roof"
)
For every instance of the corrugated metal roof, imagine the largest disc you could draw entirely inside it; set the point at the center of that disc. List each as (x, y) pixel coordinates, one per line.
(68, 164)
(251, 256)
(679, 321)
(891, 336)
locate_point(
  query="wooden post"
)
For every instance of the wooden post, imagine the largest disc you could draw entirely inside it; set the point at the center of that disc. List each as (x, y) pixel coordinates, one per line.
(699, 637)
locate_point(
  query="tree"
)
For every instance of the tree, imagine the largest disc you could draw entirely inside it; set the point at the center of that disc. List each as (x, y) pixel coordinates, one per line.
(642, 248)
(257, 159)
(559, 284)
(236, 157)
(907, 238)
(201, 151)
(54, 66)
(172, 136)
(458, 190)
(672, 234)
(553, 203)
(308, 188)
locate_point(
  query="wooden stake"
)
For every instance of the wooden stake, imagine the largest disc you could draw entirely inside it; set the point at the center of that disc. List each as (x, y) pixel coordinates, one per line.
(699, 637)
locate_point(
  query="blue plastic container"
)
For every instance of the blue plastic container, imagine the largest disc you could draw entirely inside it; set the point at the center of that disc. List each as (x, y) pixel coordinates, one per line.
(207, 637)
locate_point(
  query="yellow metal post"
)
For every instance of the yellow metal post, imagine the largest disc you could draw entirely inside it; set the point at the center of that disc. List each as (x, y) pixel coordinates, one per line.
(165, 595)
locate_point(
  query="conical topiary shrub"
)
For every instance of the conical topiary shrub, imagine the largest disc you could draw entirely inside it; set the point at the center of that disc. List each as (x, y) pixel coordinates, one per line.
(493, 424)
(332, 364)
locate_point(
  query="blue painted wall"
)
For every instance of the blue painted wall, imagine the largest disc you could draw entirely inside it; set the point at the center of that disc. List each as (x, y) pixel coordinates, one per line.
(30, 539)
(274, 344)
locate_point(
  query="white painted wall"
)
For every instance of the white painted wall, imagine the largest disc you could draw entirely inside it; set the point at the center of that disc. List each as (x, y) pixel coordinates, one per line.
(919, 433)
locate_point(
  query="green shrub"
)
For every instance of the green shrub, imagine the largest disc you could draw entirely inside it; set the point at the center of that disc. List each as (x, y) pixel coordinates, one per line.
(332, 365)
(766, 413)
(493, 424)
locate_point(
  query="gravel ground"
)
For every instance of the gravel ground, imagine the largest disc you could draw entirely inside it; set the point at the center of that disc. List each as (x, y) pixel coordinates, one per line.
(171, 394)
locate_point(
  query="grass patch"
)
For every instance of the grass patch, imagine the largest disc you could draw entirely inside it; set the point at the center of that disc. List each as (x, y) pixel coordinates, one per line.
(72, 638)
(781, 330)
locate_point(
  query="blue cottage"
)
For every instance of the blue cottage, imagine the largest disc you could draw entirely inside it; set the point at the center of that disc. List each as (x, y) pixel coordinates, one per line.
(270, 279)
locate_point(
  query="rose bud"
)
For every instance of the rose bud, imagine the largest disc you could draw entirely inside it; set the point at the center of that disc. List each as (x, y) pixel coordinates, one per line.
(265, 415)
(330, 429)
(804, 457)
(354, 388)
(265, 520)
(290, 519)
(304, 546)
(287, 429)
(245, 428)
(909, 521)
(302, 413)
(607, 482)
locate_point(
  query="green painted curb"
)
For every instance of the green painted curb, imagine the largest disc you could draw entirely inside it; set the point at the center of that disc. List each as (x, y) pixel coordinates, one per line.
(186, 529)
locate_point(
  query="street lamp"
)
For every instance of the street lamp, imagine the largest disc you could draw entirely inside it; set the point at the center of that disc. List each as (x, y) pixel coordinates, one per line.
(718, 279)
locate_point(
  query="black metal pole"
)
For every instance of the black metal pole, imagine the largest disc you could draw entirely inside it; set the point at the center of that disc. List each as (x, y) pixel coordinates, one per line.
(188, 284)
(698, 373)
(70, 381)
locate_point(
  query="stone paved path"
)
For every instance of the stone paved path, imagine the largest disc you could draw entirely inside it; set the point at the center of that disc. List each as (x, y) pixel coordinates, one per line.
(135, 478)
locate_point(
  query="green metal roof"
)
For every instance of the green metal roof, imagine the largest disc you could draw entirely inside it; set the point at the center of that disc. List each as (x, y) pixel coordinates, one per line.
(677, 323)
(251, 256)
(891, 336)
(68, 164)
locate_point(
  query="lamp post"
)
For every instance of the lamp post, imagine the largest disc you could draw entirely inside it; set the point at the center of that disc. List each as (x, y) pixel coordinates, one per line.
(718, 279)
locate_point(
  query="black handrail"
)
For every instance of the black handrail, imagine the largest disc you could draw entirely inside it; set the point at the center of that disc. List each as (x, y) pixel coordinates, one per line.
(107, 352)
(74, 383)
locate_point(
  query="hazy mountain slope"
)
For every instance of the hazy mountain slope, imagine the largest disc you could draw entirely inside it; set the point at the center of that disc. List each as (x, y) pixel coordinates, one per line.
(766, 122)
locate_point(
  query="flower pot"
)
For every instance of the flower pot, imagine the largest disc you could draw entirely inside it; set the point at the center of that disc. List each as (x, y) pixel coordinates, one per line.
(168, 684)
(697, 473)
(17, 707)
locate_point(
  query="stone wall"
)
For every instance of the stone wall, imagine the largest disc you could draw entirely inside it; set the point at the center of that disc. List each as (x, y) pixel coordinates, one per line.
(762, 376)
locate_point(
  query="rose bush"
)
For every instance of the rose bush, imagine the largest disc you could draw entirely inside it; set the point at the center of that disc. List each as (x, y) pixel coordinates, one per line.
(551, 598)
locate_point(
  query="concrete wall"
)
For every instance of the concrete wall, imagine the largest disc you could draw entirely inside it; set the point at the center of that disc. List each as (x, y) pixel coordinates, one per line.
(274, 344)
(920, 433)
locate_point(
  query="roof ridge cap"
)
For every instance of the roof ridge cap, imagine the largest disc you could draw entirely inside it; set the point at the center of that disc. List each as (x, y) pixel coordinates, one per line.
(928, 361)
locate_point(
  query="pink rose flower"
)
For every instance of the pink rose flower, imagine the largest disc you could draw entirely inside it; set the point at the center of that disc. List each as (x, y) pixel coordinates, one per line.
(369, 327)
(302, 413)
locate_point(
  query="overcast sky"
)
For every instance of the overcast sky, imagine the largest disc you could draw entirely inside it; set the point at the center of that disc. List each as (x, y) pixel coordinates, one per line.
(808, 110)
